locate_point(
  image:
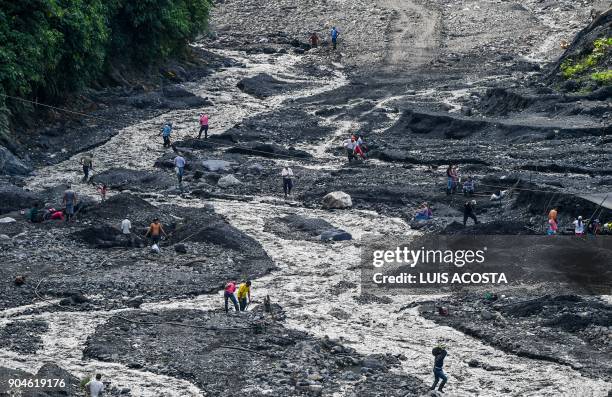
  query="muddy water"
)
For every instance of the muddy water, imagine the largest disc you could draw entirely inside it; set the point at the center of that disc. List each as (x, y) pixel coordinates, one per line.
(139, 145)
(308, 275)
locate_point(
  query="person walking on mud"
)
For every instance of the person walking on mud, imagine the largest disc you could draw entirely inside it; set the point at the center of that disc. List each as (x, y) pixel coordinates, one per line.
(87, 163)
(468, 212)
(203, 126)
(69, 200)
(166, 132)
(439, 352)
(287, 174)
(334, 37)
(179, 163)
(155, 231)
(244, 292)
(95, 386)
(228, 294)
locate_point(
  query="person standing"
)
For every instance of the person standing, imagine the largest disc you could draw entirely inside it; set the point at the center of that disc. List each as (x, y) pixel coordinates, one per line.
(334, 36)
(155, 231)
(552, 227)
(468, 212)
(126, 227)
(228, 294)
(244, 292)
(179, 163)
(287, 174)
(87, 162)
(553, 214)
(69, 200)
(579, 227)
(166, 132)
(95, 386)
(203, 125)
(439, 352)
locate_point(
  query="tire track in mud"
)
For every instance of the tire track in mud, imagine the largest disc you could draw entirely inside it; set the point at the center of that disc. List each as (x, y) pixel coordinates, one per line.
(413, 37)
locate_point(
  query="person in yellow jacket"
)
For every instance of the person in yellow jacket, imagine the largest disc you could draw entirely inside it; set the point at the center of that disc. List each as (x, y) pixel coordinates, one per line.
(244, 292)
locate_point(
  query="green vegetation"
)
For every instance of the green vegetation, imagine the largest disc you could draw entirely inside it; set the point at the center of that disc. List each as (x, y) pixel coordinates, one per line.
(51, 48)
(604, 78)
(576, 69)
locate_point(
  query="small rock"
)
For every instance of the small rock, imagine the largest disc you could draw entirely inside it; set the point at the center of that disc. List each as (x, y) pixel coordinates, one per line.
(7, 219)
(180, 248)
(227, 181)
(135, 302)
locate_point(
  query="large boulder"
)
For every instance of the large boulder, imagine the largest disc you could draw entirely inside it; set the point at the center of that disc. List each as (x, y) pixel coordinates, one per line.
(11, 165)
(228, 181)
(337, 200)
(13, 198)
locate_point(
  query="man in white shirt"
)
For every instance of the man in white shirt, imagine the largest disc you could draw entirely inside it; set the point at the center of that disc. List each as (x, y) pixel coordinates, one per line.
(126, 225)
(287, 175)
(179, 163)
(349, 145)
(95, 386)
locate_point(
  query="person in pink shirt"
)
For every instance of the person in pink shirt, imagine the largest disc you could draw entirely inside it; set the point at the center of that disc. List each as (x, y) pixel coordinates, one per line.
(552, 227)
(203, 125)
(228, 294)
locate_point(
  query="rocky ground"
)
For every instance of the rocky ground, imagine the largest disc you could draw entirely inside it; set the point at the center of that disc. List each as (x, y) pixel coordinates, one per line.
(426, 84)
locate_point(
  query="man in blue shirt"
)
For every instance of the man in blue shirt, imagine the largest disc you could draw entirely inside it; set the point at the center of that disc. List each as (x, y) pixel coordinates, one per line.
(334, 36)
(166, 131)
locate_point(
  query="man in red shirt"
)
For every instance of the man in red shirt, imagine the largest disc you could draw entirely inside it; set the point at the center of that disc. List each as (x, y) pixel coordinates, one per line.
(230, 288)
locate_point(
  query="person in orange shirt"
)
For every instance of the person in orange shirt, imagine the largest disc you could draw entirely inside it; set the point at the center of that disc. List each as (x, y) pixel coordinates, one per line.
(155, 231)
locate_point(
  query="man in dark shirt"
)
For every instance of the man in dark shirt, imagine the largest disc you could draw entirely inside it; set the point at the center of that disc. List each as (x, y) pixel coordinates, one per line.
(468, 212)
(439, 353)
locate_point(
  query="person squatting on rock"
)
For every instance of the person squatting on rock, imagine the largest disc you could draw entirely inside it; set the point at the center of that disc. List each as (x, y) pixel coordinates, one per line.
(95, 387)
(468, 212)
(287, 174)
(179, 163)
(203, 125)
(87, 162)
(360, 148)
(439, 352)
(155, 231)
(228, 294)
(469, 187)
(314, 40)
(354, 147)
(103, 189)
(334, 36)
(424, 213)
(69, 200)
(244, 292)
(165, 133)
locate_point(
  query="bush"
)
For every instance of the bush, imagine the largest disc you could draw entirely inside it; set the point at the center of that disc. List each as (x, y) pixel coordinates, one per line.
(571, 69)
(51, 48)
